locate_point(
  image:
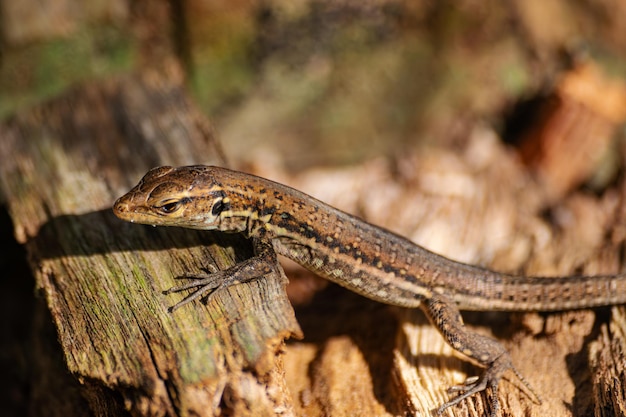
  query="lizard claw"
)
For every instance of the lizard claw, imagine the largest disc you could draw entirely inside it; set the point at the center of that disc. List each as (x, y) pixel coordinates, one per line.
(473, 386)
(468, 384)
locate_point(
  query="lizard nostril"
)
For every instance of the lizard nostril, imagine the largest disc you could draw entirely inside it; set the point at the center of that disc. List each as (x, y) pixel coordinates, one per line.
(120, 207)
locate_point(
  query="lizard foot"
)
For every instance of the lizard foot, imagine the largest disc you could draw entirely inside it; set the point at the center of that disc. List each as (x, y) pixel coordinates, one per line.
(489, 379)
(473, 386)
(203, 285)
(211, 281)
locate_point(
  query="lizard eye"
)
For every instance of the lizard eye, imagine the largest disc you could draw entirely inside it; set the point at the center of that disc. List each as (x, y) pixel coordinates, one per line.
(169, 207)
(219, 207)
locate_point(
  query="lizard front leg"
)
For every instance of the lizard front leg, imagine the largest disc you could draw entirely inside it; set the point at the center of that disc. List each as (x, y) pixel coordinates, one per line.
(444, 314)
(205, 285)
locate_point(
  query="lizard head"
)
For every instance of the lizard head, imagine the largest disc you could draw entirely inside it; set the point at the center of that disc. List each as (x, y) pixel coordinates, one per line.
(198, 197)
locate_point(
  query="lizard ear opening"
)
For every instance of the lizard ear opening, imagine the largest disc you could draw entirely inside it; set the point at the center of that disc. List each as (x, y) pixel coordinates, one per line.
(219, 206)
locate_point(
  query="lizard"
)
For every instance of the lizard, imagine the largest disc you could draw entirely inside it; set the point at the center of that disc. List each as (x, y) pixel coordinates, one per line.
(357, 255)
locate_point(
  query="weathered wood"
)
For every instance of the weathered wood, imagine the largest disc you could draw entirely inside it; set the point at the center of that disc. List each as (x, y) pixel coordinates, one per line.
(64, 163)
(608, 364)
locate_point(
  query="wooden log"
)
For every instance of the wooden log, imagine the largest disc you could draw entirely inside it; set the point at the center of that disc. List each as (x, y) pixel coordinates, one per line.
(64, 163)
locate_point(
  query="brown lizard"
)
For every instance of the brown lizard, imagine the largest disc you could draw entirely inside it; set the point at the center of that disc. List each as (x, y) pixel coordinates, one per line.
(364, 258)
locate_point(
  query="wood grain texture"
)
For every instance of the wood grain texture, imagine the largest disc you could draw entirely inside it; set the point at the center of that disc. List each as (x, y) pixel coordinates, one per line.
(64, 164)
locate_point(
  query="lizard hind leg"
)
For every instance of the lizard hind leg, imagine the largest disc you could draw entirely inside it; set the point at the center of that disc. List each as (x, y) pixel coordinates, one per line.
(444, 314)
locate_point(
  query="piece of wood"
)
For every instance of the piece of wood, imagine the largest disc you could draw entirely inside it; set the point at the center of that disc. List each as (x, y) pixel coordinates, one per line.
(64, 163)
(608, 364)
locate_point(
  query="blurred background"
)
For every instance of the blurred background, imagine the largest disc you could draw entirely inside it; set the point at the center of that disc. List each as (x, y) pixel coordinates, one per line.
(316, 82)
